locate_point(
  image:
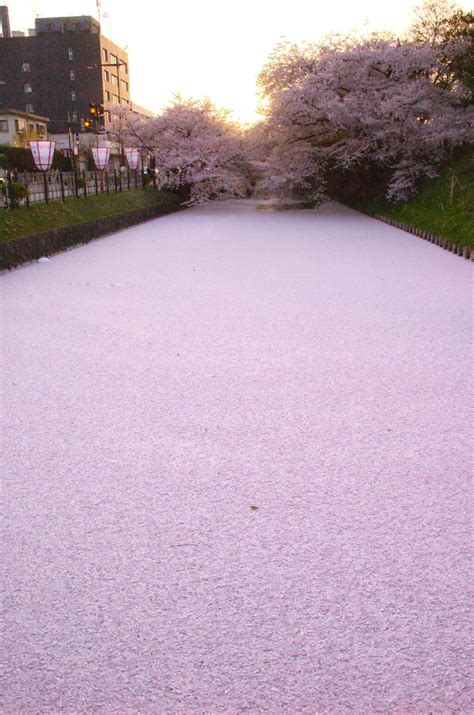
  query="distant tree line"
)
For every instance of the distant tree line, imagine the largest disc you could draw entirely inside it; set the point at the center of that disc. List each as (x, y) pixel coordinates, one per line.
(351, 117)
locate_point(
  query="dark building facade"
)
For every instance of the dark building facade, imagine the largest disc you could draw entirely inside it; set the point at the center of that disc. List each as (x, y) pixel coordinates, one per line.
(4, 22)
(57, 71)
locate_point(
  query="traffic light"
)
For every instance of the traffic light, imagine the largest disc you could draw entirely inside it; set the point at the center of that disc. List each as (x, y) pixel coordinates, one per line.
(94, 122)
(96, 109)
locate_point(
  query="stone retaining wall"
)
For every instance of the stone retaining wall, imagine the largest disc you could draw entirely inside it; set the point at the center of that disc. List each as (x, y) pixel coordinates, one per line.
(455, 248)
(29, 248)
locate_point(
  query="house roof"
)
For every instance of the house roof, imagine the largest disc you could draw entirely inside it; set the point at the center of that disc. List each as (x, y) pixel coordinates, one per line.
(25, 115)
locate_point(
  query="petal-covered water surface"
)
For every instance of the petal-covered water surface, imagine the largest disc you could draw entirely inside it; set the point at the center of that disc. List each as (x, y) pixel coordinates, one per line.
(236, 457)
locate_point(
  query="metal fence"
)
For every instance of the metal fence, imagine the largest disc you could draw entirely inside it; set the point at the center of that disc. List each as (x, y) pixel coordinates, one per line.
(60, 185)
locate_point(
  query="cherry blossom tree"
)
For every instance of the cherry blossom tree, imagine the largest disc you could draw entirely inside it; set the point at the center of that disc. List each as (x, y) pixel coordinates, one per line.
(357, 101)
(196, 148)
(131, 129)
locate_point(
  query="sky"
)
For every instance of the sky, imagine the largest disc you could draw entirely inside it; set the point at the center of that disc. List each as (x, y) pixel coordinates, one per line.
(213, 48)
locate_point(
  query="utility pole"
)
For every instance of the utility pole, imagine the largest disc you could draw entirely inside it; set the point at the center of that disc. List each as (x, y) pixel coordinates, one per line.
(117, 64)
(72, 156)
(69, 137)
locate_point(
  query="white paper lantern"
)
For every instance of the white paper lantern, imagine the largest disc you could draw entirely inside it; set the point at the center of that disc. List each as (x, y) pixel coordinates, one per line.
(132, 156)
(101, 155)
(43, 152)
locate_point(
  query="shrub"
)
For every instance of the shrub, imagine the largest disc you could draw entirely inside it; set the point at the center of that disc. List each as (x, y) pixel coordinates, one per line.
(16, 192)
(17, 158)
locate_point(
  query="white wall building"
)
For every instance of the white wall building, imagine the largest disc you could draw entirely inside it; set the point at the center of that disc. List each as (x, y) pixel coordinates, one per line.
(14, 123)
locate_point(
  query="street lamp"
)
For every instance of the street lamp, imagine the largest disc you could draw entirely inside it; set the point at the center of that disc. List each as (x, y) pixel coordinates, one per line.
(101, 155)
(43, 153)
(133, 157)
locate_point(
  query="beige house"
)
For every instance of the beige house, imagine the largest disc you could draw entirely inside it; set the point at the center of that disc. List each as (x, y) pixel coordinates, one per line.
(15, 124)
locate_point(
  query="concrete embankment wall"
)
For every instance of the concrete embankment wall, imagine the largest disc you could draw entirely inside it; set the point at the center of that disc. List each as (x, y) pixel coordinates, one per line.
(29, 248)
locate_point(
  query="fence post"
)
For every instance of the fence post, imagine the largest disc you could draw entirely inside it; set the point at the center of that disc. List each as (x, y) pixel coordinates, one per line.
(135, 172)
(107, 182)
(115, 180)
(45, 181)
(85, 182)
(154, 181)
(120, 178)
(62, 185)
(27, 192)
(128, 179)
(9, 188)
(96, 184)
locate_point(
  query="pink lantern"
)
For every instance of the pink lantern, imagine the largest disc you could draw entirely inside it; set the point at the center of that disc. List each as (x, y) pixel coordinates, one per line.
(101, 155)
(132, 156)
(43, 151)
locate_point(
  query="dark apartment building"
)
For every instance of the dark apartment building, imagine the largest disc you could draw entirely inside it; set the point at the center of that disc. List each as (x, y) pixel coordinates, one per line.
(58, 68)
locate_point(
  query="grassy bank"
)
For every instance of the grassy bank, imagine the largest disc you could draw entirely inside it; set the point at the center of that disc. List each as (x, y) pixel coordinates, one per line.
(443, 206)
(15, 223)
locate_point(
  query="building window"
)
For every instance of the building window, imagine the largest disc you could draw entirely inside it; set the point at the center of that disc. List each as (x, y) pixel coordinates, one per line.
(125, 68)
(124, 85)
(73, 95)
(41, 130)
(113, 59)
(105, 55)
(29, 108)
(107, 96)
(27, 87)
(25, 67)
(115, 80)
(109, 116)
(106, 76)
(3, 125)
(72, 76)
(115, 99)
(70, 53)
(20, 125)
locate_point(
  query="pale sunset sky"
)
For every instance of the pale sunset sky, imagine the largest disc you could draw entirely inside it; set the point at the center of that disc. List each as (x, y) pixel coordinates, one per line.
(213, 48)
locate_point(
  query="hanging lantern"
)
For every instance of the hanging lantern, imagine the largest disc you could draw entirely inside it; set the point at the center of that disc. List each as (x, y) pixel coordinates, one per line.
(43, 152)
(101, 155)
(132, 156)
